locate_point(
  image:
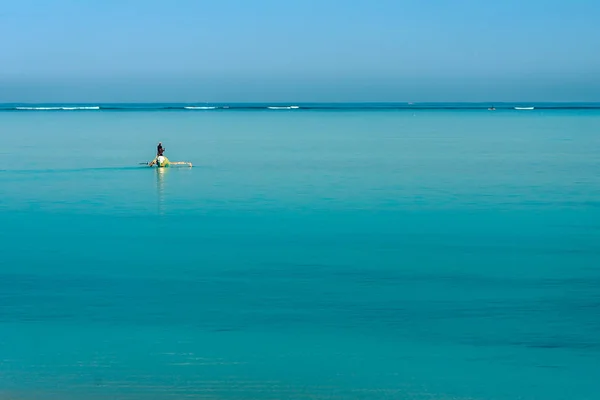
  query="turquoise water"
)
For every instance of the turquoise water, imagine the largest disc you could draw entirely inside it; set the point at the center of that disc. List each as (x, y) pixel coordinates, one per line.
(434, 254)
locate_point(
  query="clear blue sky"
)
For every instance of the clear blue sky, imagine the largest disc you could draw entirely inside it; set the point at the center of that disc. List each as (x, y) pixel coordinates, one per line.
(299, 50)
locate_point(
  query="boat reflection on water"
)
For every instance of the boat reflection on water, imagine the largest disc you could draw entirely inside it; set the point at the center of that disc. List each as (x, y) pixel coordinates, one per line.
(161, 174)
(160, 189)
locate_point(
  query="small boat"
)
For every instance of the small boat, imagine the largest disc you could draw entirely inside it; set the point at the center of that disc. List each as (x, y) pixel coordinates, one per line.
(162, 162)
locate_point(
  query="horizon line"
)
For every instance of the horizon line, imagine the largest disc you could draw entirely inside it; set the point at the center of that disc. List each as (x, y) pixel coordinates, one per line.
(289, 106)
(292, 102)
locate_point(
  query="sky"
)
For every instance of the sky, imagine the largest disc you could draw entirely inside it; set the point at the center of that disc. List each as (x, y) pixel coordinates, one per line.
(299, 50)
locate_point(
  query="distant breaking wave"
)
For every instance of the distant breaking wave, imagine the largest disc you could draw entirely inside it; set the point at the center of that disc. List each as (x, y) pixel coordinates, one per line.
(82, 108)
(38, 108)
(300, 107)
(57, 108)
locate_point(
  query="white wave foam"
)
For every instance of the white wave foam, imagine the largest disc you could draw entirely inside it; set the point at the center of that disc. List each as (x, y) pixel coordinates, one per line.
(81, 108)
(58, 108)
(199, 108)
(283, 108)
(524, 108)
(38, 108)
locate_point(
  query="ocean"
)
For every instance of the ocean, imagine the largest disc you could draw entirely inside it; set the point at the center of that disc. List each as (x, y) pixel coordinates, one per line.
(312, 252)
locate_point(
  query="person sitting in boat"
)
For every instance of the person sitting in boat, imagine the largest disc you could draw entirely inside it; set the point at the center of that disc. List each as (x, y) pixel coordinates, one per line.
(160, 158)
(162, 161)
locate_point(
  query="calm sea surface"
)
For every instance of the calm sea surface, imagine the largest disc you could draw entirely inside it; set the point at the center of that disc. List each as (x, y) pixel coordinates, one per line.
(308, 254)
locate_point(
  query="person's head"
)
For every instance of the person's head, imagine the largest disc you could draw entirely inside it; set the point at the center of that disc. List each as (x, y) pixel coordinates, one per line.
(160, 143)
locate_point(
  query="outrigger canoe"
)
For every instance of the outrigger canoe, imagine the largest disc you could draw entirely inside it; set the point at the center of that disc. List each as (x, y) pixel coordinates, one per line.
(162, 162)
